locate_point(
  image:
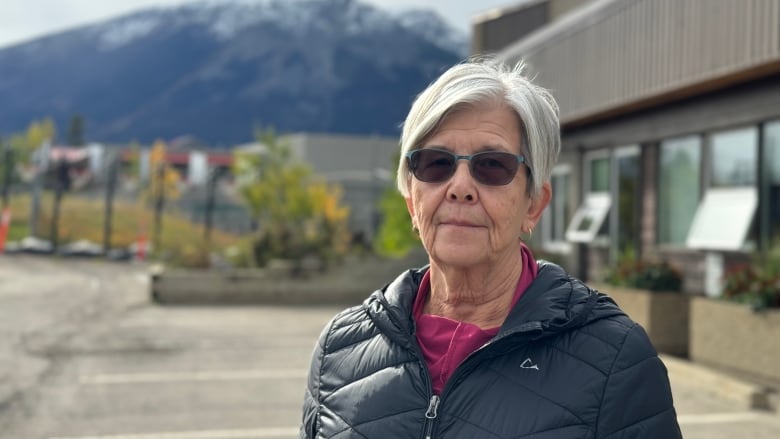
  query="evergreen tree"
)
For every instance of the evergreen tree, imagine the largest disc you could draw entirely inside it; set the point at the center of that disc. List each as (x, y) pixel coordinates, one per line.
(76, 131)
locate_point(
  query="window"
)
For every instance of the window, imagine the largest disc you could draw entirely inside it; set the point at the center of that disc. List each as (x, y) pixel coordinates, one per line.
(626, 194)
(678, 188)
(558, 212)
(733, 158)
(724, 217)
(588, 221)
(589, 217)
(770, 185)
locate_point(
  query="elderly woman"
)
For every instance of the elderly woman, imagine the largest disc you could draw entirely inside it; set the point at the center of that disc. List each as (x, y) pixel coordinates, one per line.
(485, 342)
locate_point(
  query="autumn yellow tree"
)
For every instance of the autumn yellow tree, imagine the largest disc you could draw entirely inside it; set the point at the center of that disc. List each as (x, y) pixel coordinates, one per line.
(24, 144)
(164, 180)
(297, 214)
(163, 186)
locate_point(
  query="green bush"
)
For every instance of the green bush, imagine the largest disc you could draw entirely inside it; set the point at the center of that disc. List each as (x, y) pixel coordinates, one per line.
(299, 215)
(756, 284)
(395, 237)
(642, 274)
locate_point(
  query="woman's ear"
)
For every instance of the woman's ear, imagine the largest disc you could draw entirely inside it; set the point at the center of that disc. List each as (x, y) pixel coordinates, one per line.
(538, 203)
(410, 208)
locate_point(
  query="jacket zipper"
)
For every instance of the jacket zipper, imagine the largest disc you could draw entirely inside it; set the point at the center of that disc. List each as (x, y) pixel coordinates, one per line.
(430, 415)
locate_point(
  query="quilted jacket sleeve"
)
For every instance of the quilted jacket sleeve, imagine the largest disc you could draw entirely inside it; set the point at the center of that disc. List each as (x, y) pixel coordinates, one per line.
(637, 400)
(311, 399)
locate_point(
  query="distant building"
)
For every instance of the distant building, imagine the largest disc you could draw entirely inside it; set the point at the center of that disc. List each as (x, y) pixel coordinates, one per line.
(670, 113)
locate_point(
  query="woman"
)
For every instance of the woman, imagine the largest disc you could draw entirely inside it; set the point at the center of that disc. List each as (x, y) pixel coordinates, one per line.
(485, 342)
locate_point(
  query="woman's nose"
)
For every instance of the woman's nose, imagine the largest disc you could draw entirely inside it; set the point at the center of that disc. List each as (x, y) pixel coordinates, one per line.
(462, 187)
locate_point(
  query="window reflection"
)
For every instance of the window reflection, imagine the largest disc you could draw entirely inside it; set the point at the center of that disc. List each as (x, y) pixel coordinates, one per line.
(678, 188)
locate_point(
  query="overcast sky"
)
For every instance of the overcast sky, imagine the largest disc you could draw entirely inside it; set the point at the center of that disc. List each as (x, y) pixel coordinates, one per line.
(22, 20)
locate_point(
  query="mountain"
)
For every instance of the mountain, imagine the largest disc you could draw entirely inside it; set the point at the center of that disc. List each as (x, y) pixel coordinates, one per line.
(216, 69)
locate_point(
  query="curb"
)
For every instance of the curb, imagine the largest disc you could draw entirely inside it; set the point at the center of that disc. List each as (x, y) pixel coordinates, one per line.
(347, 284)
(250, 288)
(743, 393)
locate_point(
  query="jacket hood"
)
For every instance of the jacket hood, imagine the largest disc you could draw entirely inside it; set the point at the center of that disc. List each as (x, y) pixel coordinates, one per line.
(554, 302)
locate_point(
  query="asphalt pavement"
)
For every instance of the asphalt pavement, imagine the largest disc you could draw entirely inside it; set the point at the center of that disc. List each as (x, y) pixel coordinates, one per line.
(84, 354)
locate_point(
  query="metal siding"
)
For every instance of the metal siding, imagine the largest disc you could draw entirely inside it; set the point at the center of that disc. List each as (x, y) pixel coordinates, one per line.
(637, 49)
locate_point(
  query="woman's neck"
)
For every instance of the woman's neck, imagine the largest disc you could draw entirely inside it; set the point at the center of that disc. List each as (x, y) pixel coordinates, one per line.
(480, 295)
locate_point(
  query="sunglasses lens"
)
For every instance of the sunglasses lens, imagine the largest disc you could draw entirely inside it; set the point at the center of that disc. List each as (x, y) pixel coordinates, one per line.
(432, 166)
(490, 168)
(494, 168)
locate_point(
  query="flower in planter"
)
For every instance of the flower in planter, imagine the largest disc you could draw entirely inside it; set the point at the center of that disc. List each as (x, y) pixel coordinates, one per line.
(754, 285)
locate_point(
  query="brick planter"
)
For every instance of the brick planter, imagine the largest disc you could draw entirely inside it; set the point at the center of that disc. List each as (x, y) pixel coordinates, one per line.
(663, 315)
(733, 336)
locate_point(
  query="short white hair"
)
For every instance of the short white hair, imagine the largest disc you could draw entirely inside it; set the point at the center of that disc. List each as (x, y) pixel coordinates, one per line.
(487, 81)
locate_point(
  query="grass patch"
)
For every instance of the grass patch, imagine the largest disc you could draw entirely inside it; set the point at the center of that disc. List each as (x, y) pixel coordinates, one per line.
(182, 242)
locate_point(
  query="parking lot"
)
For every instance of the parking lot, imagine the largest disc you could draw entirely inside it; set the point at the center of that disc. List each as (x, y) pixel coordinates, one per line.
(86, 355)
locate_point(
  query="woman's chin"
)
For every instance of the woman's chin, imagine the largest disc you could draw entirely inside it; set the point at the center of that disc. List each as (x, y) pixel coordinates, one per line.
(458, 254)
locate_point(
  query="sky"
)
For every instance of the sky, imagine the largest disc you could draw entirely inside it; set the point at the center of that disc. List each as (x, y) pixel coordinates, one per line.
(22, 20)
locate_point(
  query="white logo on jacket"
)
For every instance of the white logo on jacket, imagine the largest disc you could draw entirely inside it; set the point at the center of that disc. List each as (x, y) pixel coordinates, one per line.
(528, 364)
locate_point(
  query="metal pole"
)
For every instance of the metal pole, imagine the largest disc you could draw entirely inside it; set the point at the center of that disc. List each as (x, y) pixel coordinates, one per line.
(109, 214)
(159, 205)
(8, 159)
(210, 193)
(42, 165)
(61, 187)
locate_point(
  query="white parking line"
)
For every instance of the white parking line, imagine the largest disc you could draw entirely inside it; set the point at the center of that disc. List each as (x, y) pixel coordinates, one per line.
(203, 434)
(215, 375)
(720, 418)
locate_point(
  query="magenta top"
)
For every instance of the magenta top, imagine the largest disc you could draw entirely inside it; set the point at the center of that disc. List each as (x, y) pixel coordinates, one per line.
(446, 343)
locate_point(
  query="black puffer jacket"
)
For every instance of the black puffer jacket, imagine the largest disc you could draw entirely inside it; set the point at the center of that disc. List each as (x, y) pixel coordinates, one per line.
(567, 363)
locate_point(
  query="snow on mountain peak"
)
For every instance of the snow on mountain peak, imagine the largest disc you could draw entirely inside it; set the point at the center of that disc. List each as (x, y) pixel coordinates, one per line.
(226, 18)
(432, 27)
(125, 30)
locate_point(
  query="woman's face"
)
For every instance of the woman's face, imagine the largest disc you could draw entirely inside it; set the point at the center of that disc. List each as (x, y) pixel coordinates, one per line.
(462, 222)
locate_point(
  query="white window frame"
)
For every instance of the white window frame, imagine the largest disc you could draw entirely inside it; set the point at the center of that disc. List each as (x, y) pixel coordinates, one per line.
(594, 207)
(548, 242)
(723, 219)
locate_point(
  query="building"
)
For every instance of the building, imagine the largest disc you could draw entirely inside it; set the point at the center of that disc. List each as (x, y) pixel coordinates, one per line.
(670, 124)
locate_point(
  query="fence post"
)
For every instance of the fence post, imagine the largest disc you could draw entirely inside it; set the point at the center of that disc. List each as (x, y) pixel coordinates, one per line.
(111, 178)
(159, 205)
(62, 185)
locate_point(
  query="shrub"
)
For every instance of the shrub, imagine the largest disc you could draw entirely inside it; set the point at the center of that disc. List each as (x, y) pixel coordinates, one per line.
(756, 284)
(299, 215)
(643, 274)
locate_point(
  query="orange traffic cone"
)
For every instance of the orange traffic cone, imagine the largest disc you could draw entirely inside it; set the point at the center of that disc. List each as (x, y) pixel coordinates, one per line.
(140, 248)
(5, 224)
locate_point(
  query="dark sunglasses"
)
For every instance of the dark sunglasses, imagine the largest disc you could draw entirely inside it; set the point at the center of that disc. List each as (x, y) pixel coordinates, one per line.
(492, 168)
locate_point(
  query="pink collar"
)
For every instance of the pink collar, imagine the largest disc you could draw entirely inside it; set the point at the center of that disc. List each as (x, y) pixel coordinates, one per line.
(445, 343)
